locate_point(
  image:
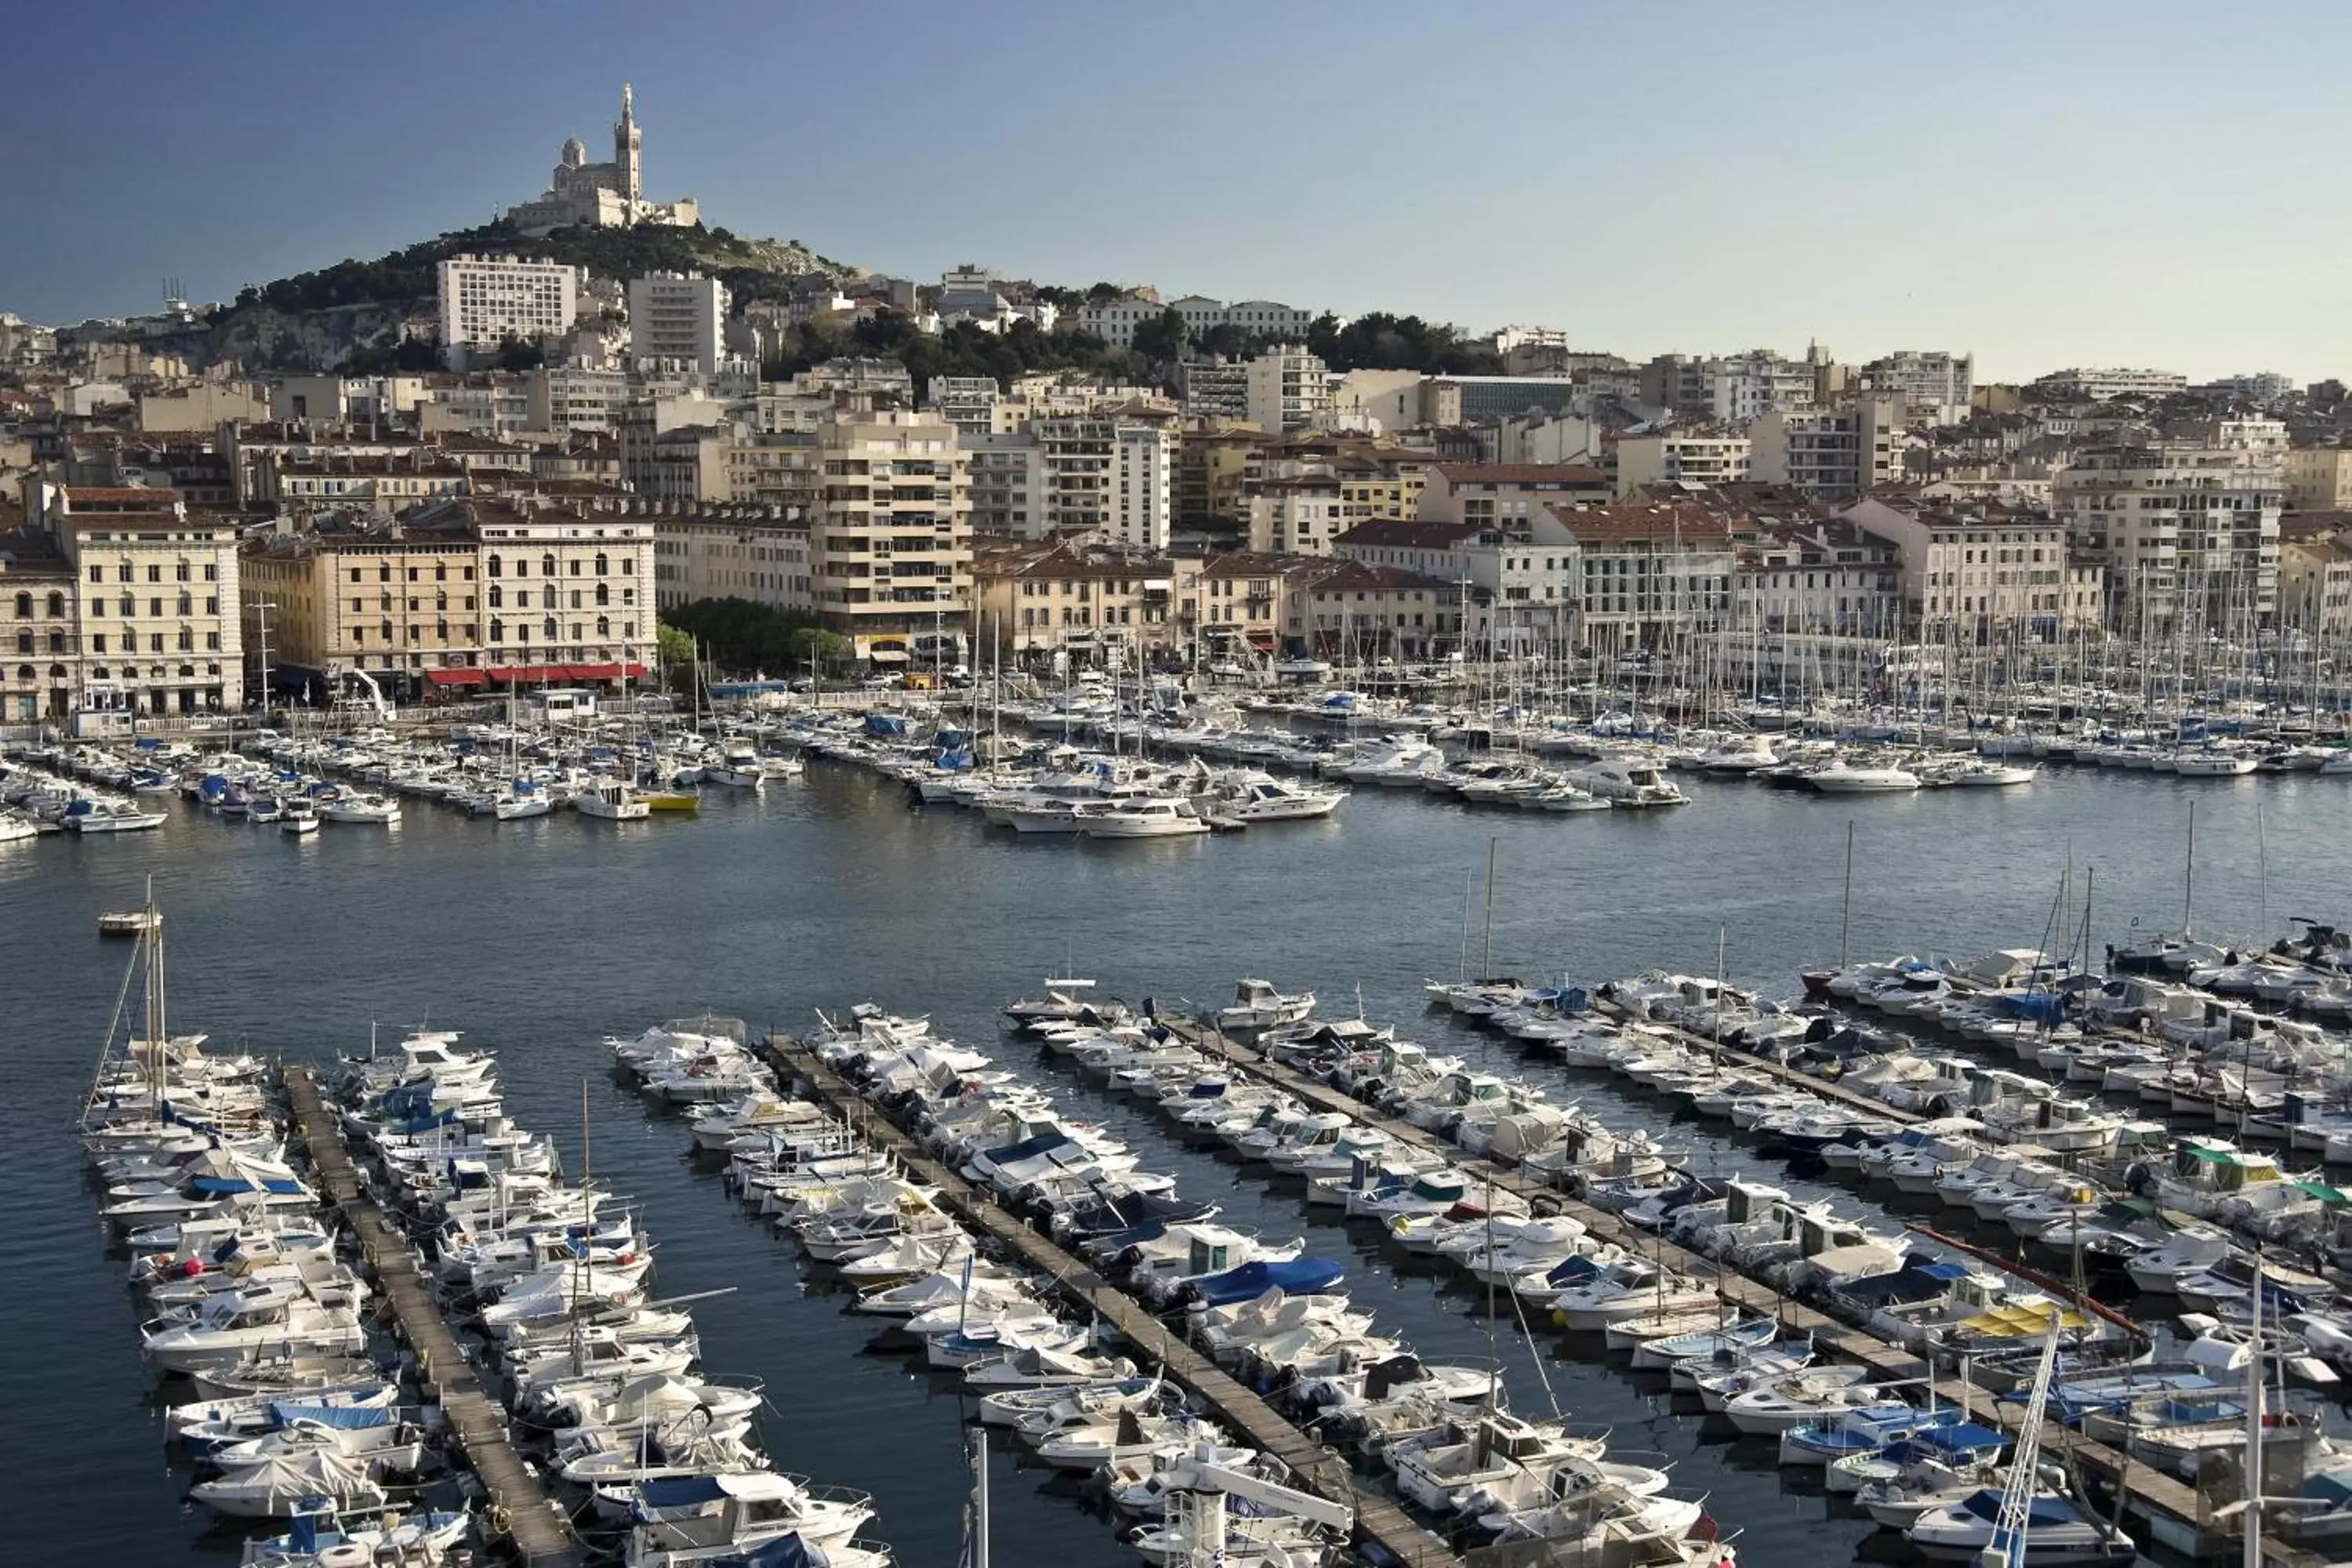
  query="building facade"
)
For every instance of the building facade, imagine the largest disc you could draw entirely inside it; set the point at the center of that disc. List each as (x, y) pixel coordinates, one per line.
(488, 301)
(678, 318)
(2187, 531)
(581, 194)
(1978, 572)
(1288, 389)
(156, 597)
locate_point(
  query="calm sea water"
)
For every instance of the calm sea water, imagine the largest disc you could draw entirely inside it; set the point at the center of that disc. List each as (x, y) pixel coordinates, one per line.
(540, 938)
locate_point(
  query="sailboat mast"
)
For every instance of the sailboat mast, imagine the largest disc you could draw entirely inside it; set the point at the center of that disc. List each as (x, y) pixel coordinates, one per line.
(1487, 971)
(2189, 873)
(1845, 922)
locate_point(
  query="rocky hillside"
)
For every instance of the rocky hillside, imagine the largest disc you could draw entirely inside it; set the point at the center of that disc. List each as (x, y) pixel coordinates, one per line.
(360, 313)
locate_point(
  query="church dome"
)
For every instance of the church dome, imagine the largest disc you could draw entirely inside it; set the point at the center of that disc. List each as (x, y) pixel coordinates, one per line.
(575, 151)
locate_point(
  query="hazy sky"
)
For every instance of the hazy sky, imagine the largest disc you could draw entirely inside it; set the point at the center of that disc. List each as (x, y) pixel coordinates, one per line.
(2063, 182)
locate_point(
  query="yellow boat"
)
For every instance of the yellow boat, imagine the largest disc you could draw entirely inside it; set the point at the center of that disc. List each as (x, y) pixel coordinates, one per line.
(673, 800)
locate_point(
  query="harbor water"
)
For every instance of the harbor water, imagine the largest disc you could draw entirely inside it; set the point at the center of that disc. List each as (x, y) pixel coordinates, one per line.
(538, 938)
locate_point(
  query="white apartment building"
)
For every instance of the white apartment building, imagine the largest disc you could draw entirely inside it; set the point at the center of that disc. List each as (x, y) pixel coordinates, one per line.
(1831, 578)
(1519, 584)
(2101, 384)
(1110, 471)
(1937, 387)
(487, 299)
(2188, 530)
(1834, 454)
(1647, 576)
(1697, 456)
(1289, 389)
(1983, 572)
(966, 402)
(1300, 515)
(1114, 321)
(1143, 478)
(677, 318)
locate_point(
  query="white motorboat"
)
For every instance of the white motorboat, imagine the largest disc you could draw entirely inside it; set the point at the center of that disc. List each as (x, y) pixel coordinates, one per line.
(2058, 1531)
(301, 818)
(378, 810)
(108, 816)
(1256, 1005)
(1150, 817)
(1631, 781)
(612, 801)
(1849, 778)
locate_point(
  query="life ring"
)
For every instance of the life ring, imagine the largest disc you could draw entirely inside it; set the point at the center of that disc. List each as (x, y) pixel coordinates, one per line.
(501, 1521)
(344, 1555)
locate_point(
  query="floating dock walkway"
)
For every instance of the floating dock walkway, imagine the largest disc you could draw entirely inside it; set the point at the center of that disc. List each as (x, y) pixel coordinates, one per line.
(520, 1508)
(1379, 1521)
(2175, 1515)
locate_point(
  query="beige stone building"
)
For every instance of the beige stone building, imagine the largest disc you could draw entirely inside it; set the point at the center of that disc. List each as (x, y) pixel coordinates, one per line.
(2317, 479)
(736, 551)
(403, 605)
(1365, 613)
(40, 635)
(157, 597)
(1096, 603)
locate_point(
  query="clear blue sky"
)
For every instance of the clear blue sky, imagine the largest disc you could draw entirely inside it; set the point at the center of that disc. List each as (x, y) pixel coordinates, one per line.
(2051, 184)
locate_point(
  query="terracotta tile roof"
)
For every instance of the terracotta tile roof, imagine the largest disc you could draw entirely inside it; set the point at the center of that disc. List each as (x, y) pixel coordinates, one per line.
(1558, 476)
(1409, 533)
(1694, 527)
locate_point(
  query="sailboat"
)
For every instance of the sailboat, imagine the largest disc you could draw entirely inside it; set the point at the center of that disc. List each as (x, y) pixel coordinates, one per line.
(2025, 1524)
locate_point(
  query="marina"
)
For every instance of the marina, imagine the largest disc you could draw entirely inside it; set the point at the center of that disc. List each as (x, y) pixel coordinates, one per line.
(821, 815)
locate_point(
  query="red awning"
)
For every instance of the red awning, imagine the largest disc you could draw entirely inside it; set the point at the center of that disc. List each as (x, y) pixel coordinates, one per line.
(595, 672)
(531, 674)
(457, 676)
(1261, 638)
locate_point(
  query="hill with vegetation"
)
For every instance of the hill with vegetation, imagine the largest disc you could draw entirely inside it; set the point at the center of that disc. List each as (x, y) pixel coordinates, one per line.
(362, 316)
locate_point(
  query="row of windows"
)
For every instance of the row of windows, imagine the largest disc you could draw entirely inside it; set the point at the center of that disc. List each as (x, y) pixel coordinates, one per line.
(603, 596)
(547, 565)
(440, 573)
(128, 606)
(155, 573)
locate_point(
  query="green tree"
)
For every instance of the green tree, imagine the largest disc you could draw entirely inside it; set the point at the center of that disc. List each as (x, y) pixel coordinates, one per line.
(1163, 338)
(674, 651)
(516, 354)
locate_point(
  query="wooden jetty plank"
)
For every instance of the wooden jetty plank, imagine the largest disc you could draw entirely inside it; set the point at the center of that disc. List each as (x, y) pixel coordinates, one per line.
(1379, 1518)
(537, 1526)
(2152, 1494)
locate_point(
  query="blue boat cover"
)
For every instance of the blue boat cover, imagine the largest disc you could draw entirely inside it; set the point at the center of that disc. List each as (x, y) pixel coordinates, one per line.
(341, 1417)
(680, 1492)
(1301, 1276)
(784, 1552)
(216, 1186)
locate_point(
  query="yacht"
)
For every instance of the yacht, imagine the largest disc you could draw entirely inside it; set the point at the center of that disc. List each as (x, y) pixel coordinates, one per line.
(301, 817)
(1147, 816)
(1847, 778)
(1629, 782)
(108, 816)
(376, 809)
(1262, 797)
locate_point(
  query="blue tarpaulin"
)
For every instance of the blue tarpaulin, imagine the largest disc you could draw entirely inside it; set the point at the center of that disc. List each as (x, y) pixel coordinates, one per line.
(1302, 1276)
(341, 1417)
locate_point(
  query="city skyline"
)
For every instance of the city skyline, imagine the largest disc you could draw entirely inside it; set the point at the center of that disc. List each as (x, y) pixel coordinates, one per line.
(1866, 188)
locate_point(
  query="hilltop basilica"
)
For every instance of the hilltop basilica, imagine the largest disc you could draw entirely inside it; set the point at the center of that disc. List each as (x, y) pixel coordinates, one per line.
(601, 195)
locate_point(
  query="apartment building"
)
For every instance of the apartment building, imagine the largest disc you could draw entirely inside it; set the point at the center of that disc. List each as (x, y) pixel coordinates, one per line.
(886, 496)
(561, 399)
(486, 302)
(1110, 473)
(1088, 601)
(1213, 388)
(40, 631)
(1213, 457)
(1288, 389)
(1507, 495)
(156, 597)
(1298, 514)
(1678, 454)
(1241, 600)
(1364, 613)
(2188, 530)
(1985, 571)
(358, 482)
(1517, 583)
(1835, 454)
(1831, 577)
(1647, 576)
(677, 319)
(736, 551)
(1937, 388)
(2100, 386)
(404, 607)
(2317, 478)
(966, 402)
